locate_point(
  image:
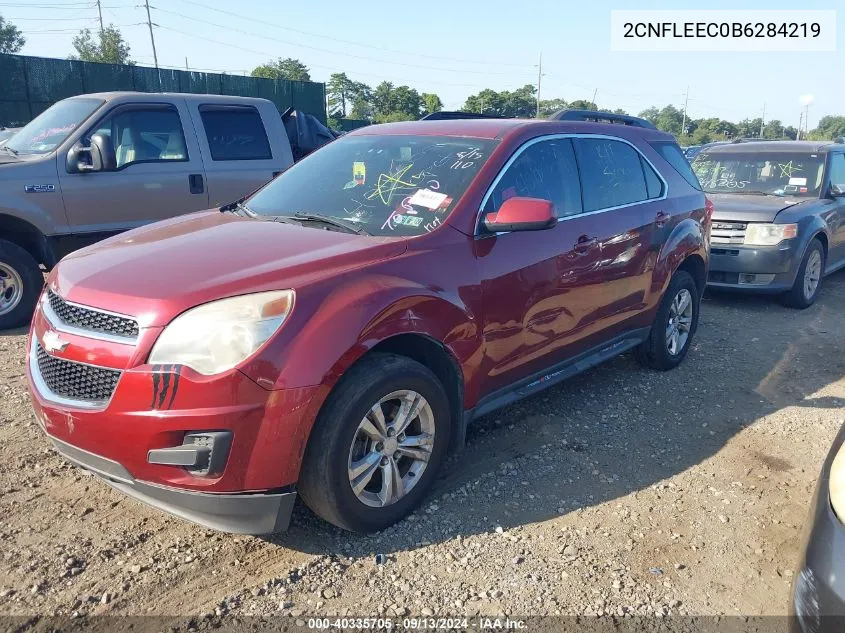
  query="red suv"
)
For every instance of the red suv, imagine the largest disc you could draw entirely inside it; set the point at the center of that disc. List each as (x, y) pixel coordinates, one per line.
(333, 334)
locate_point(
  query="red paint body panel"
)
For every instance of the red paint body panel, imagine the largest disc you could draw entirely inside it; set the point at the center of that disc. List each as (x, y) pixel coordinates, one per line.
(503, 307)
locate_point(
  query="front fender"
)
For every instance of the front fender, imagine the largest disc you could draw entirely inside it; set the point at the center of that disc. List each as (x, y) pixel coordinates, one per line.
(686, 239)
(331, 327)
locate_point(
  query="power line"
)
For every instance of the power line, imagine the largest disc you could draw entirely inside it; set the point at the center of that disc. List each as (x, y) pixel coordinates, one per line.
(329, 68)
(342, 41)
(332, 52)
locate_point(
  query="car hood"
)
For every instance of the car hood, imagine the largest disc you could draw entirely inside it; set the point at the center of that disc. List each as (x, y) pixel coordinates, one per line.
(748, 208)
(156, 272)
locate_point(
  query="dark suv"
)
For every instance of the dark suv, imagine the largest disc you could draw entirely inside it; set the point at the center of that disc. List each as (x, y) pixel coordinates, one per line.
(779, 223)
(333, 334)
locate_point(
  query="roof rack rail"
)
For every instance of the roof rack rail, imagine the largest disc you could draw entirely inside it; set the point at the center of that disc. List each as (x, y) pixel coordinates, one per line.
(600, 117)
(752, 139)
(445, 115)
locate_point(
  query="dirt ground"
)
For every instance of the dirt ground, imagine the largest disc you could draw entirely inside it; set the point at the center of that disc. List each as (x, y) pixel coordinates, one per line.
(622, 491)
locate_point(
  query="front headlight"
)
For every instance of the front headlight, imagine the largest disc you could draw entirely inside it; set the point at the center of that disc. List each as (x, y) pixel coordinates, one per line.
(769, 234)
(216, 336)
(837, 483)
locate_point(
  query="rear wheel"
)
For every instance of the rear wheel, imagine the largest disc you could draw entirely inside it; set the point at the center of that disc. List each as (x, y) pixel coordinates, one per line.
(808, 281)
(20, 284)
(674, 326)
(377, 444)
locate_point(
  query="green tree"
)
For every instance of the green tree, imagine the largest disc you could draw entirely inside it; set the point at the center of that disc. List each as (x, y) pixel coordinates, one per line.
(549, 106)
(583, 104)
(362, 101)
(339, 93)
(670, 120)
(407, 101)
(431, 103)
(288, 68)
(108, 47)
(829, 128)
(11, 40)
(382, 99)
(488, 101)
(650, 115)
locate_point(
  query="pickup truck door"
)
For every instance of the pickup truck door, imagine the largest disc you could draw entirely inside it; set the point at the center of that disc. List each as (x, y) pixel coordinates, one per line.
(243, 147)
(158, 174)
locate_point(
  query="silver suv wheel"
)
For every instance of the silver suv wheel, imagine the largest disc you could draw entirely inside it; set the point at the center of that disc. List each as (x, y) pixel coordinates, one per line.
(11, 288)
(680, 322)
(391, 448)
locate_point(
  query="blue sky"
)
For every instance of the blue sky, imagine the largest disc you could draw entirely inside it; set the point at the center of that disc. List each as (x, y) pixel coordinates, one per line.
(455, 48)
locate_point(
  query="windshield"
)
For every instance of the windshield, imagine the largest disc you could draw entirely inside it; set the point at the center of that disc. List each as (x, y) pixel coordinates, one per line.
(774, 173)
(50, 128)
(389, 185)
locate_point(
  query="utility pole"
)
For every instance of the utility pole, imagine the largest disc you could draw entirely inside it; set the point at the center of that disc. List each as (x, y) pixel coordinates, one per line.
(186, 64)
(763, 120)
(595, 92)
(152, 37)
(807, 121)
(539, 80)
(100, 11)
(686, 103)
(800, 123)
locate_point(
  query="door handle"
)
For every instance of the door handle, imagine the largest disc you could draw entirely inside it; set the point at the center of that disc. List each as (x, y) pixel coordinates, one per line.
(661, 218)
(196, 184)
(585, 243)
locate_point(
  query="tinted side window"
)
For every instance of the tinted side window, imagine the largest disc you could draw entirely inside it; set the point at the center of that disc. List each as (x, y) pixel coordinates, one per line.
(235, 133)
(675, 157)
(837, 170)
(611, 173)
(544, 170)
(652, 182)
(145, 135)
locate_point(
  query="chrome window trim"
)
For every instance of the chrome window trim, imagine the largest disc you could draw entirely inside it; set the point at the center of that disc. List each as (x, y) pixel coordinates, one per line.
(54, 398)
(60, 326)
(552, 137)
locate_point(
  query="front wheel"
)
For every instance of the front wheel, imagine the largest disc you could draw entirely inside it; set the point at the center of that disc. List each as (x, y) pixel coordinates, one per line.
(21, 282)
(674, 327)
(377, 444)
(808, 281)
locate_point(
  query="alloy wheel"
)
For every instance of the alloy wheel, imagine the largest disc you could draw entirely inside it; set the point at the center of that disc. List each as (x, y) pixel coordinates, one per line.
(812, 274)
(680, 322)
(391, 448)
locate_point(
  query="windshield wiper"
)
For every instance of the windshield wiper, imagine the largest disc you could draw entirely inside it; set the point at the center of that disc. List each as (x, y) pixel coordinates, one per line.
(332, 221)
(12, 151)
(239, 208)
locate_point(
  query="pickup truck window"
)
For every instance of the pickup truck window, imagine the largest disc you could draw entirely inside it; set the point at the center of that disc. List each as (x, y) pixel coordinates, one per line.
(390, 185)
(235, 133)
(144, 135)
(50, 128)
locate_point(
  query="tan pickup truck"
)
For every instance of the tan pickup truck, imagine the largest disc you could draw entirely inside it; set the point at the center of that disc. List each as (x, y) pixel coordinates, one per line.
(98, 164)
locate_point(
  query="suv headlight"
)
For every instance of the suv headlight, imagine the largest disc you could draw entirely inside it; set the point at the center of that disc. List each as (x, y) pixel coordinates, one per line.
(837, 483)
(769, 234)
(216, 336)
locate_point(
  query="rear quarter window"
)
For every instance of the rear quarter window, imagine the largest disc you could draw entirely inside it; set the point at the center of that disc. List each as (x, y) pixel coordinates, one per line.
(673, 155)
(235, 133)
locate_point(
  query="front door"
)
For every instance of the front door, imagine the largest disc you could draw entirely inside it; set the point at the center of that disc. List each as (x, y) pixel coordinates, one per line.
(158, 173)
(836, 215)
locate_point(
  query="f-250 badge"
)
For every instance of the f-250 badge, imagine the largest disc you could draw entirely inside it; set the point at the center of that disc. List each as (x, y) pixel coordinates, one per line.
(39, 188)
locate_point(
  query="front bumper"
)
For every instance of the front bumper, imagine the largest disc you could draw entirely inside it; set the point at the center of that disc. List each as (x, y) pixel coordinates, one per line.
(158, 407)
(261, 513)
(766, 269)
(818, 599)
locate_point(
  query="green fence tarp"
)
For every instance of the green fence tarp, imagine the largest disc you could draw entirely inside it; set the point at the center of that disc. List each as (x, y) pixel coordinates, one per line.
(29, 85)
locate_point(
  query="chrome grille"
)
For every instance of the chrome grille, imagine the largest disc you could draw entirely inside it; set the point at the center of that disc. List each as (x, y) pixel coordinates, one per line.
(91, 319)
(727, 232)
(76, 381)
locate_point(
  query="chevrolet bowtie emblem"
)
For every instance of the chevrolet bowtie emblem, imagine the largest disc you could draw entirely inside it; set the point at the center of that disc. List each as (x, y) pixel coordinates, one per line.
(52, 342)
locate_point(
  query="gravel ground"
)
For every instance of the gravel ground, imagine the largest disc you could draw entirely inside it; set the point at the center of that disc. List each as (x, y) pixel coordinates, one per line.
(622, 491)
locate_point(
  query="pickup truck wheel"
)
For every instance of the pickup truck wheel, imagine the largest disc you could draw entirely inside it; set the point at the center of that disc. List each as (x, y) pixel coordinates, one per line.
(20, 284)
(378, 443)
(808, 281)
(674, 327)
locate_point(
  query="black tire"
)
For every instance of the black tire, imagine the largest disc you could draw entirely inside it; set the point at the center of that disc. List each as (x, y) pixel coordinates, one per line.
(26, 268)
(795, 297)
(654, 352)
(324, 480)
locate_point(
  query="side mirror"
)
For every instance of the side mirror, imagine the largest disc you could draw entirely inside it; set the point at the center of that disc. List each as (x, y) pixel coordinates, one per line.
(522, 214)
(837, 191)
(98, 155)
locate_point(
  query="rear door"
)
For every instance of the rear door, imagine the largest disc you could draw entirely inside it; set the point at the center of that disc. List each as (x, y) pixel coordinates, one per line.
(239, 157)
(158, 175)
